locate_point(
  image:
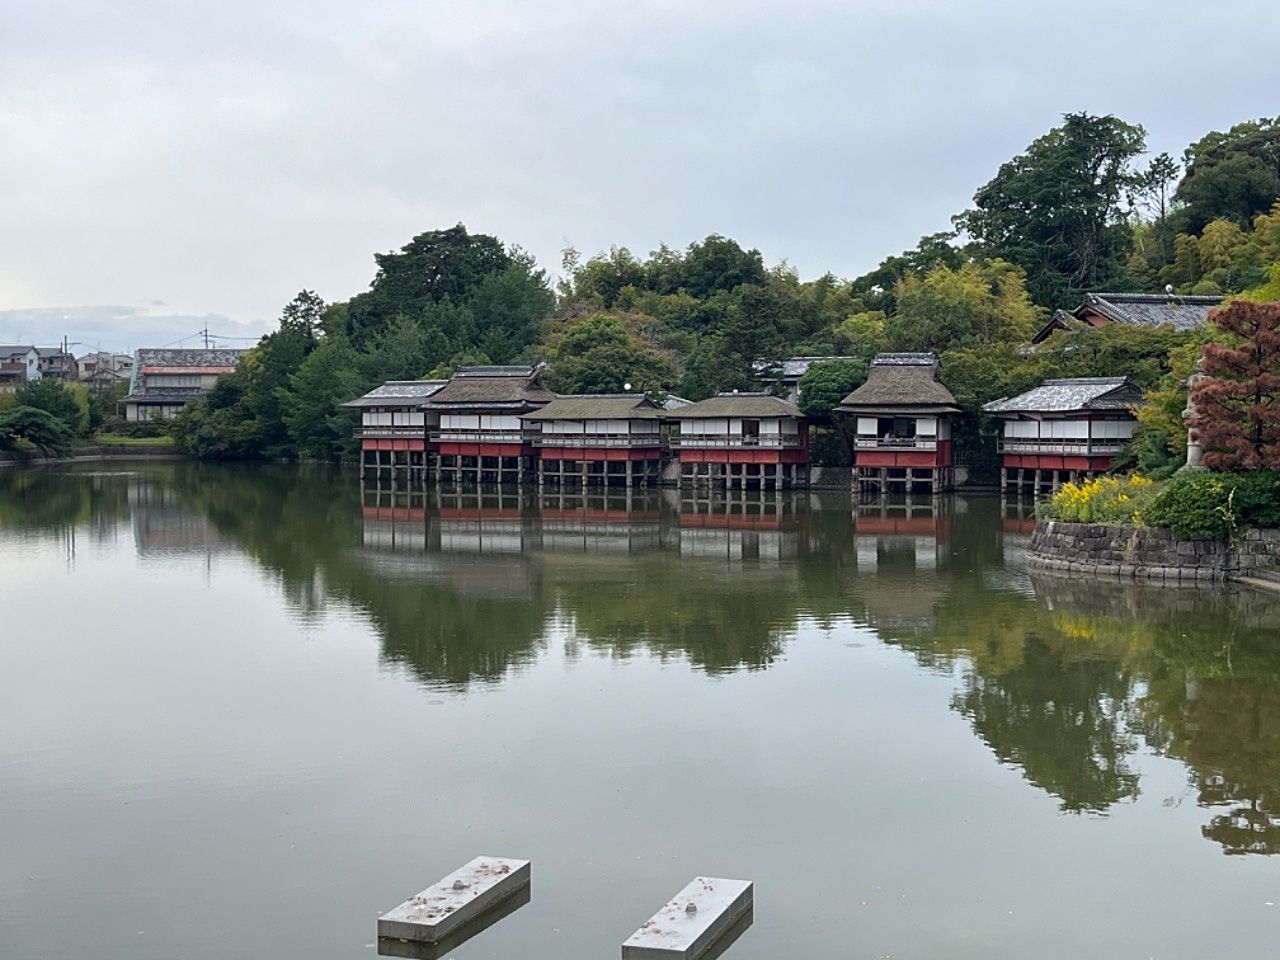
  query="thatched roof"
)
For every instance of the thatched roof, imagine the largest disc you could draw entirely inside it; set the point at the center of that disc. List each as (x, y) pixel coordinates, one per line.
(1071, 396)
(749, 405)
(492, 388)
(608, 406)
(901, 382)
(398, 393)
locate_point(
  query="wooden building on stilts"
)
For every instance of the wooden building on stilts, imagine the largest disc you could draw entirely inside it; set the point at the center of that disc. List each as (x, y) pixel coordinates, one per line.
(900, 420)
(1064, 430)
(481, 437)
(742, 441)
(597, 440)
(394, 429)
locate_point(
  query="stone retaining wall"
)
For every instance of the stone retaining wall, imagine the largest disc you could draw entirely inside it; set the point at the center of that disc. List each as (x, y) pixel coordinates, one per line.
(1152, 553)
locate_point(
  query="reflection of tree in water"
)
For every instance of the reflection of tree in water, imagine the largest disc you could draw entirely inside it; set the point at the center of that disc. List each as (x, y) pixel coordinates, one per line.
(303, 526)
(1061, 721)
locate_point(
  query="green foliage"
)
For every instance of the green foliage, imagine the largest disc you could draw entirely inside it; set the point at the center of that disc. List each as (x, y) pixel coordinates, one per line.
(1056, 210)
(319, 429)
(36, 427)
(825, 384)
(976, 304)
(1196, 503)
(68, 402)
(599, 354)
(1234, 175)
(1101, 500)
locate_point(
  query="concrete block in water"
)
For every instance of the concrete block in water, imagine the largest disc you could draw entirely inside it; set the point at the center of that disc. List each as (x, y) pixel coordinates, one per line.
(460, 897)
(677, 932)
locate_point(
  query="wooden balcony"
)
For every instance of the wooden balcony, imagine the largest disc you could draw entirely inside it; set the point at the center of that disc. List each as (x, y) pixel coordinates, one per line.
(896, 443)
(625, 441)
(772, 441)
(390, 433)
(1056, 446)
(482, 436)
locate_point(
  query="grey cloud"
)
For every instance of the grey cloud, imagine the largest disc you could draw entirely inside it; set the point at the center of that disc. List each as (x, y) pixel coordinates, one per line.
(221, 156)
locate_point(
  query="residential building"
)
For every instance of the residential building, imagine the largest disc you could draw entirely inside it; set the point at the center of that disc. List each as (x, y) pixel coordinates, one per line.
(21, 365)
(166, 380)
(103, 370)
(394, 429)
(597, 439)
(480, 436)
(1064, 430)
(741, 440)
(1149, 310)
(57, 362)
(901, 418)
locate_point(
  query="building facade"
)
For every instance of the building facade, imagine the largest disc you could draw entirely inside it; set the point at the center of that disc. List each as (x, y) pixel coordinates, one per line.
(1064, 430)
(102, 371)
(394, 430)
(19, 365)
(598, 439)
(58, 363)
(742, 440)
(164, 381)
(900, 422)
(481, 436)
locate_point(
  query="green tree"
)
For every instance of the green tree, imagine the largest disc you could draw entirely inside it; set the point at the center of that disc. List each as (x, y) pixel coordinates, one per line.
(975, 304)
(1056, 210)
(46, 432)
(825, 384)
(69, 405)
(599, 354)
(319, 429)
(1233, 175)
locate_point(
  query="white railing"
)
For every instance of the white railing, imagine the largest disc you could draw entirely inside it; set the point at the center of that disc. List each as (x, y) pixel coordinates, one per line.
(772, 441)
(896, 443)
(598, 440)
(481, 436)
(369, 433)
(1079, 446)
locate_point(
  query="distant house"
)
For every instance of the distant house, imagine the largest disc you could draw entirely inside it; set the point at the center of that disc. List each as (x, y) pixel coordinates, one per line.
(481, 436)
(742, 439)
(786, 374)
(585, 439)
(394, 429)
(18, 365)
(58, 363)
(102, 370)
(1131, 309)
(164, 381)
(1064, 430)
(902, 425)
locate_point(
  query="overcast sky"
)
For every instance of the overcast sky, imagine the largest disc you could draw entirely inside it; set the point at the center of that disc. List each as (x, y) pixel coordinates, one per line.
(169, 164)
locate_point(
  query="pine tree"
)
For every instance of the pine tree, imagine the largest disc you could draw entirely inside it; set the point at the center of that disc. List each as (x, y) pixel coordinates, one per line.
(1239, 401)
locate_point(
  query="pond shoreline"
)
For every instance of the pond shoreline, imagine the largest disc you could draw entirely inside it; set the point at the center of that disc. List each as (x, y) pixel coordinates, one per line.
(96, 454)
(1151, 553)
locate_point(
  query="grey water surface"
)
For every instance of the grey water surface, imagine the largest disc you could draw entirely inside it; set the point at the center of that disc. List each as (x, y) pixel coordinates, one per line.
(243, 710)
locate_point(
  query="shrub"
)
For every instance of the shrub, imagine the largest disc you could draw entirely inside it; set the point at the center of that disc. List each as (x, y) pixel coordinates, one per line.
(1200, 503)
(1102, 500)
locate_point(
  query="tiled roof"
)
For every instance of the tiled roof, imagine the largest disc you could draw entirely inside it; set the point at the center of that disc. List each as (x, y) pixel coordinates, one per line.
(398, 393)
(176, 361)
(611, 406)
(738, 405)
(898, 380)
(1068, 396)
(792, 368)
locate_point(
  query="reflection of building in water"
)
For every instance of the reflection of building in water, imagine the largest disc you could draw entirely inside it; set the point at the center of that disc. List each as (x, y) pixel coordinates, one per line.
(163, 527)
(745, 525)
(600, 523)
(903, 534)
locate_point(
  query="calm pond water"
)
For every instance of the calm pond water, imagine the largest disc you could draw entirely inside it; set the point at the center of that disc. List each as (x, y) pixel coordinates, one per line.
(244, 710)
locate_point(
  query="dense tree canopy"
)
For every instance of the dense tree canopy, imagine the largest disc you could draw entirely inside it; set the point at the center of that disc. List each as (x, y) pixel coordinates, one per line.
(1058, 211)
(1239, 401)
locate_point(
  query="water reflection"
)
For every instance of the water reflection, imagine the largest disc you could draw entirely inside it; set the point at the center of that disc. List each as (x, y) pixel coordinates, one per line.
(1070, 682)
